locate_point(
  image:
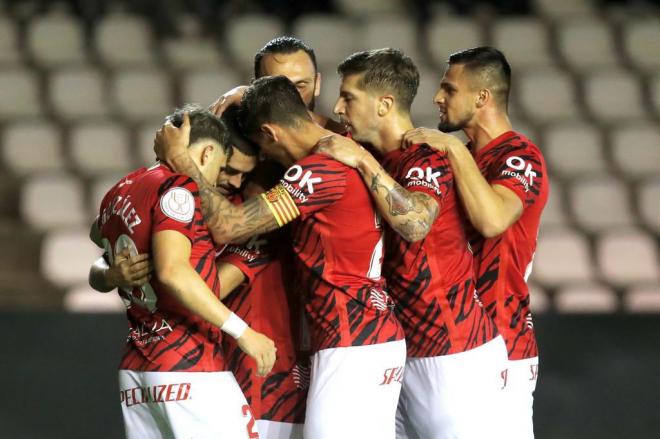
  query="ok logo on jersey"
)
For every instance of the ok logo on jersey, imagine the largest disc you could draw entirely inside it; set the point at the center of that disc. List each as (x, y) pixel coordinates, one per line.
(519, 164)
(304, 178)
(427, 174)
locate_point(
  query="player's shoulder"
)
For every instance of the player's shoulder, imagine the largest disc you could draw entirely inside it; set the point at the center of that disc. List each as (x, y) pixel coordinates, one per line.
(321, 161)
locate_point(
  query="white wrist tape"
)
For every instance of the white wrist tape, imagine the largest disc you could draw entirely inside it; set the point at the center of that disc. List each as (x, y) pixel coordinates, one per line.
(234, 326)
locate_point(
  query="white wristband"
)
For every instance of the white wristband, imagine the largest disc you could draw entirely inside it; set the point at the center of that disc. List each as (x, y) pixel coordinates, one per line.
(234, 326)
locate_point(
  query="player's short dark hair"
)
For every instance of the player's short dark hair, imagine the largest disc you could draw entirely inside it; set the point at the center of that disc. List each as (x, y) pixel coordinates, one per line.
(236, 138)
(489, 66)
(385, 70)
(284, 45)
(271, 99)
(203, 125)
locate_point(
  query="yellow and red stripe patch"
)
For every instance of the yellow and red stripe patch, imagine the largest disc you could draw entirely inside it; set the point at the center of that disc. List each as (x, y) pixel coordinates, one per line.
(281, 204)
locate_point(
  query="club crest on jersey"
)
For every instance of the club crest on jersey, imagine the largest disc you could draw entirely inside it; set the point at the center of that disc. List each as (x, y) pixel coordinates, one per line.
(426, 177)
(179, 204)
(518, 164)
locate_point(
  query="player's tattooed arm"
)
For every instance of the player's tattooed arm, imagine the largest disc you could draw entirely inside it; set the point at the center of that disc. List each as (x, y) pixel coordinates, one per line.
(227, 222)
(411, 214)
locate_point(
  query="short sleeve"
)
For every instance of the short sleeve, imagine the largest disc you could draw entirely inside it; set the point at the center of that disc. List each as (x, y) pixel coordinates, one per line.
(177, 207)
(250, 258)
(521, 170)
(427, 171)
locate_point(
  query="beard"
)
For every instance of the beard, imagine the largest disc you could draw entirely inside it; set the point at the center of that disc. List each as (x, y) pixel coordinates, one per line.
(312, 103)
(448, 126)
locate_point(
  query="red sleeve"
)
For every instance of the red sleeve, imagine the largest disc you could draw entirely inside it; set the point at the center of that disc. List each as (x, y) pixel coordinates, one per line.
(177, 207)
(425, 170)
(251, 258)
(520, 168)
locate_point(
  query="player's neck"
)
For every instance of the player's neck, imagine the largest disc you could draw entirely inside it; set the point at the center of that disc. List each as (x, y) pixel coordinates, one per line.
(306, 138)
(391, 134)
(487, 128)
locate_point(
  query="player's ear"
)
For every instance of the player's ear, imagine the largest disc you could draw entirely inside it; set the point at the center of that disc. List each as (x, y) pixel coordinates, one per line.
(317, 85)
(270, 132)
(207, 153)
(385, 104)
(483, 97)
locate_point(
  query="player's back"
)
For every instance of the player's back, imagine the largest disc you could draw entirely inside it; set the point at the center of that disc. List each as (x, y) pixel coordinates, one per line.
(504, 262)
(432, 280)
(338, 243)
(163, 335)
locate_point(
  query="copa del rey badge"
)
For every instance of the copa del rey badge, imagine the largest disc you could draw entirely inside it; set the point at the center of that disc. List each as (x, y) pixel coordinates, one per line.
(178, 203)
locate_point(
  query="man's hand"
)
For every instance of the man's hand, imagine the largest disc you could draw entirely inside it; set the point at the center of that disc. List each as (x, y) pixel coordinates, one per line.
(171, 142)
(437, 140)
(342, 149)
(129, 272)
(259, 347)
(228, 99)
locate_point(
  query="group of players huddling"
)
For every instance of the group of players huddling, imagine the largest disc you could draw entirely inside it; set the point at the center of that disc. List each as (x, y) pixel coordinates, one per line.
(369, 276)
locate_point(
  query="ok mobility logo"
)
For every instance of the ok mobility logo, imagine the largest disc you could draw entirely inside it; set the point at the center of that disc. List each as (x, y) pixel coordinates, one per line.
(426, 177)
(305, 182)
(522, 171)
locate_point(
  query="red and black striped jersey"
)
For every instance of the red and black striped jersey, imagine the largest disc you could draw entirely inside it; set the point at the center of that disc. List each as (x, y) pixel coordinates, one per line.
(432, 280)
(163, 335)
(269, 305)
(503, 263)
(338, 243)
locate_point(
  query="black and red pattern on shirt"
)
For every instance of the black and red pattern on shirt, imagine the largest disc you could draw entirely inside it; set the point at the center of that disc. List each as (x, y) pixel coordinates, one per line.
(432, 280)
(270, 306)
(168, 338)
(504, 262)
(338, 246)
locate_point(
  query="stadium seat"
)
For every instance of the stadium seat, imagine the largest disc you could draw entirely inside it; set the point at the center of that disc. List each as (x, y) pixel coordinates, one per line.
(84, 299)
(636, 149)
(66, 256)
(369, 8)
(574, 149)
(628, 256)
(586, 298)
(641, 41)
(562, 256)
(314, 30)
(52, 200)
(330, 83)
(32, 147)
(56, 39)
(554, 213)
(423, 107)
(648, 195)
(547, 95)
(10, 52)
(600, 203)
(247, 34)
(124, 40)
(524, 40)
(19, 94)
(642, 299)
(539, 302)
(146, 132)
(586, 44)
(191, 53)
(654, 89)
(561, 9)
(447, 35)
(142, 94)
(100, 147)
(205, 86)
(395, 31)
(613, 96)
(78, 93)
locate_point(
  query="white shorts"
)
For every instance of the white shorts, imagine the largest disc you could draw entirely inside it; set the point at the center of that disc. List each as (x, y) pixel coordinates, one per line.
(279, 430)
(454, 396)
(184, 405)
(521, 377)
(354, 391)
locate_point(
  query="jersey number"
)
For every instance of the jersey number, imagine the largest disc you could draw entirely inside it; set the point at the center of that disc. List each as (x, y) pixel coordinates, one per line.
(145, 297)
